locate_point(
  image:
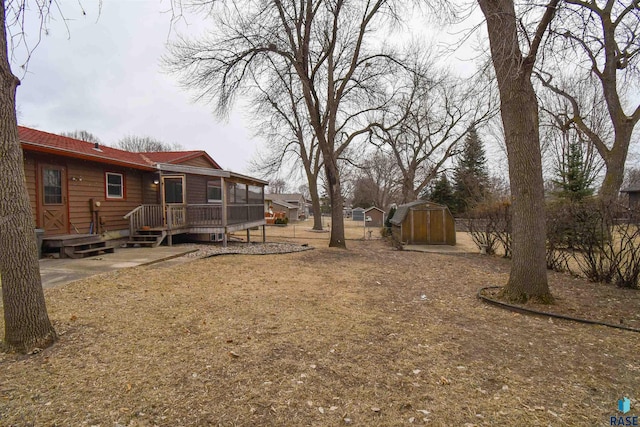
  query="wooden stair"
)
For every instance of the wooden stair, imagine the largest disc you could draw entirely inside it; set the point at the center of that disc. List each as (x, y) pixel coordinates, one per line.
(147, 238)
(77, 245)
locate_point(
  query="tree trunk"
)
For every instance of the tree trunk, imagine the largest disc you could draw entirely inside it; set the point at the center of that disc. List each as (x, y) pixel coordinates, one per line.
(26, 321)
(614, 163)
(335, 196)
(408, 193)
(312, 180)
(519, 110)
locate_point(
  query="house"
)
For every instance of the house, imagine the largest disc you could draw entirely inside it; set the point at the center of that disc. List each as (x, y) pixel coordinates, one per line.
(374, 217)
(82, 188)
(423, 223)
(293, 206)
(634, 196)
(357, 214)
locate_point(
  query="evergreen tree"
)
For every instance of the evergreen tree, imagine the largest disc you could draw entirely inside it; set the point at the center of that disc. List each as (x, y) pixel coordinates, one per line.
(470, 175)
(442, 192)
(573, 180)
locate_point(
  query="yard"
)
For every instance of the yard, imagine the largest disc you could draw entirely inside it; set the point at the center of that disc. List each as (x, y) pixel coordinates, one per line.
(369, 336)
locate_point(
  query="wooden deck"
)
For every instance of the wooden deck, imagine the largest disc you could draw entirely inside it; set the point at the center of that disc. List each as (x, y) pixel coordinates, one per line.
(213, 219)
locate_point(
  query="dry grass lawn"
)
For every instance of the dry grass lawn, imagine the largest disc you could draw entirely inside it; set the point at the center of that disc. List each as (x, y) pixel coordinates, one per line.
(369, 336)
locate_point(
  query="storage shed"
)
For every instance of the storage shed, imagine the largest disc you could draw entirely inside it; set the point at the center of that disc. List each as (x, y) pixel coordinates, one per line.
(634, 196)
(423, 223)
(357, 214)
(374, 217)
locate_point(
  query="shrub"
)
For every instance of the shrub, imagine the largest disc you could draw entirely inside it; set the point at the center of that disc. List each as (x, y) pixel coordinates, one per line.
(490, 226)
(604, 244)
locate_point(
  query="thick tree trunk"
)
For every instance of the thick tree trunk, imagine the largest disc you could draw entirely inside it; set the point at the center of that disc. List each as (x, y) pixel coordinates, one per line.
(519, 109)
(614, 162)
(335, 196)
(408, 193)
(26, 321)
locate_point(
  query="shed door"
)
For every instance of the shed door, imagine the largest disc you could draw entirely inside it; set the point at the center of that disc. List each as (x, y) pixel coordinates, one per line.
(428, 227)
(436, 235)
(419, 230)
(53, 212)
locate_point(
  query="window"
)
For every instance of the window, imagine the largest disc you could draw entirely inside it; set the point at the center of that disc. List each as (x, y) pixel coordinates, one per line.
(52, 180)
(214, 192)
(173, 190)
(115, 185)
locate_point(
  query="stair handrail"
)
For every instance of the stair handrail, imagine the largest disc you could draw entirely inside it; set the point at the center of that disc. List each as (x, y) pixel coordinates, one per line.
(144, 215)
(133, 211)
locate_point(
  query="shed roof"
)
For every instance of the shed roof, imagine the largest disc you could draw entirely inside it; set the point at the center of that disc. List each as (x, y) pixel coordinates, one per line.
(281, 203)
(403, 210)
(289, 198)
(631, 189)
(372, 208)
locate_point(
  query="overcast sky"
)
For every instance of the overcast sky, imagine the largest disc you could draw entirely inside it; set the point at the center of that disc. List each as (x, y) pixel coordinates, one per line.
(103, 75)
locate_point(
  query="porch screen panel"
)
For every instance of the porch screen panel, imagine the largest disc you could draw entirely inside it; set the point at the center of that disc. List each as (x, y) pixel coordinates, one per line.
(255, 195)
(241, 194)
(52, 186)
(173, 190)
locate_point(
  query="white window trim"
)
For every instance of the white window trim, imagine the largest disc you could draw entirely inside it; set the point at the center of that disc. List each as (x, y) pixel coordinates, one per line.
(106, 183)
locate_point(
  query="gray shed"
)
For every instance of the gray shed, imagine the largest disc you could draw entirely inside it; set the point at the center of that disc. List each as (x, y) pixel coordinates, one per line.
(357, 214)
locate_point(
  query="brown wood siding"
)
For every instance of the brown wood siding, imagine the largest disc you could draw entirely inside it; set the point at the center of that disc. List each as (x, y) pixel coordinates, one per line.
(85, 181)
(150, 191)
(197, 189)
(30, 172)
(200, 162)
(92, 186)
(376, 218)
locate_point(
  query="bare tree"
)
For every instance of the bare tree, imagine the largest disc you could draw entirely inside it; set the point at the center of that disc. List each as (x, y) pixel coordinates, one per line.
(378, 181)
(429, 121)
(27, 324)
(145, 144)
(278, 186)
(282, 119)
(82, 135)
(596, 46)
(331, 48)
(519, 110)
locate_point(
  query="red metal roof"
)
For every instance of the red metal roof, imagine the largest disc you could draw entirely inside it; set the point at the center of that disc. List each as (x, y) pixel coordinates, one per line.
(36, 140)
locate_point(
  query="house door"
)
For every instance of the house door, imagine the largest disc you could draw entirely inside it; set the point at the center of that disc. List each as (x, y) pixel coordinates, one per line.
(54, 210)
(173, 198)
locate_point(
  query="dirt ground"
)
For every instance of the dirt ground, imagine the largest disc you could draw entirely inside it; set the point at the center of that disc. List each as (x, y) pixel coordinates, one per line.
(369, 336)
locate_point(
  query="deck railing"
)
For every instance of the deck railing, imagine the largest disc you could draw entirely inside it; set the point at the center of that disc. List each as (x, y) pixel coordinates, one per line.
(181, 216)
(145, 216)
(176, 216)
(204, 215)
